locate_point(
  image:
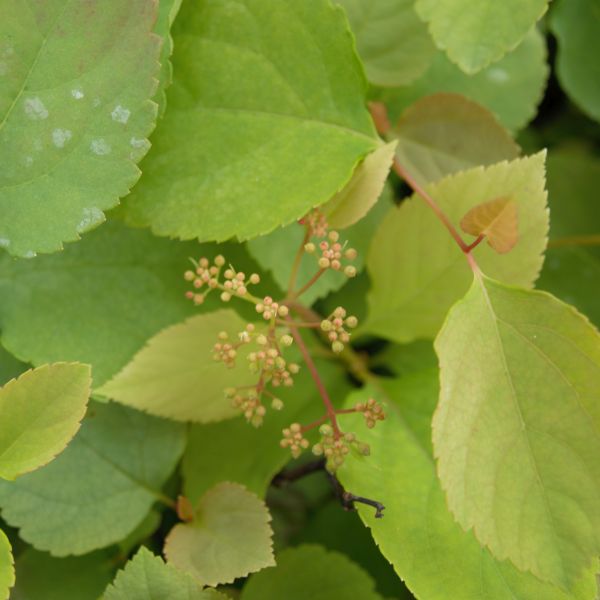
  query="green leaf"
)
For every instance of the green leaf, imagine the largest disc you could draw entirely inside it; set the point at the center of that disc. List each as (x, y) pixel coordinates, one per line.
(221, 451)
(359, 195)
(576, 24)
(285, 83)
(230, 537)
(75, 112)
(572, 269)
(418, 535)
(100, 300)
(100, 488)
(167, 11)
(475, 34)
(147, 577)
(42, 577)
(517, 430)
(40, 412)
(310, 571)
(175, 376)
(285, 241)
(445, 133)
(10, 367)
(394, 45)
(511, 88)
(429, 270)
(7, 570)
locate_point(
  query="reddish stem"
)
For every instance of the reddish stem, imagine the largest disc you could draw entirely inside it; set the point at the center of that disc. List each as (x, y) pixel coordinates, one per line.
(297, 260)
(476, 243)
(314, 424)
(329, 408)
(308, 284)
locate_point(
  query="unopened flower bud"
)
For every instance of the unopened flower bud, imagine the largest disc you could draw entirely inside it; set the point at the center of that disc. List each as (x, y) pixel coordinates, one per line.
(337, 346)
(286, 340)
(350, 271)
(189, 275)
(309, 248)
(225, 296)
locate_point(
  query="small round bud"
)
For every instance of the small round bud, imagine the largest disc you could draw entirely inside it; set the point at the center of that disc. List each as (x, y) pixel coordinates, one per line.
(226, 296)
(326, 325)
(203, 262)
(337, 346)
(189, 295)
(198, 298)
(229, 274)
(283, 311)
(219, 260)
(350, 271)
(241, 291)
(189, 275)
(334, 236)
(250, 327)
(336, 265)
(198, 283)
(261, 340)
(326, 430)
(294, 368)
(309, 248)
(324, 263)
(240, 276)
(286, 340)
(254, 278)
(260, 307)
(277, 404)
(351, 254)
(317, 450)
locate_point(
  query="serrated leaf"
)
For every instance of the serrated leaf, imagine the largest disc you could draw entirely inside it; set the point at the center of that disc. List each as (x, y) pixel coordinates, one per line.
(572, 270)
(429, 270)
(497, 220)
(100, 488)
(511, 88)
(147, 577)
(284, 83)
(167, 11)
(310, 571)
(230, 537)
(359, 195)
(285, 241)
(43, 577)
(7, 570)
(576, 24)
(517, 429)
(175, 375)
(475, 34)
(235, 451)
(442, 134)
(418, 535)
(100, 300)
(394, 45)
(40, 412)
(75, 112)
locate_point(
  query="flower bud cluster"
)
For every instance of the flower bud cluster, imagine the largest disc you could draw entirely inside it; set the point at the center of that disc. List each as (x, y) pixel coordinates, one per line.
(372, 412)
(204, 275)
(269, 361)
(269, 309)
(335, 448)
(335, 328)
(249, 405)
(236, 283)
(317, 224)
(294, 440)
(333, 254)
(226, 352)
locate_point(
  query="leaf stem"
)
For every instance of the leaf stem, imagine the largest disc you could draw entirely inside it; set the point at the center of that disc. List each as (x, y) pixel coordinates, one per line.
(307, 285)
(329, 408)
(298, 260)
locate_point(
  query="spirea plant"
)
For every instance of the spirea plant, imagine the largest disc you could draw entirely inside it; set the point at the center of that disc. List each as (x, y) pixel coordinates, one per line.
(298, 299)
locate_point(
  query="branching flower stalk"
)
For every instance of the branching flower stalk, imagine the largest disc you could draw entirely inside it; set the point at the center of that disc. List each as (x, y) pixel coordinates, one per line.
(281, 329)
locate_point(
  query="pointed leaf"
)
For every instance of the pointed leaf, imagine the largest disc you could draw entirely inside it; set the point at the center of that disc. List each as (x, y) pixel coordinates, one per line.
(576, 24)
(230, 538)
(175, 376)
(75, 112)
(284, 83)
(146, 577)
(445, 133)
(359, 195)
(475, 34)
(418, 271)
(511, 88)
(517, 430)
(437, 559)
(497, 220)
(394, 45)
(7, 569)
(40, 412)
(100, 488)
(43, 577)
(310, 571)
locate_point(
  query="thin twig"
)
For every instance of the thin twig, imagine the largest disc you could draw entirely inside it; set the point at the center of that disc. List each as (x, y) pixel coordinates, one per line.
(307, 285)
(290, 475)
(298, 260)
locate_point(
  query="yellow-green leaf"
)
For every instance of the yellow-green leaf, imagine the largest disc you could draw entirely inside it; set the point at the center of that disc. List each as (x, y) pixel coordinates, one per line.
(7, 568)
(517, 429)
(40, 412)
(175, 375)
(497, 220)
(229, 538)
(418, 271)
